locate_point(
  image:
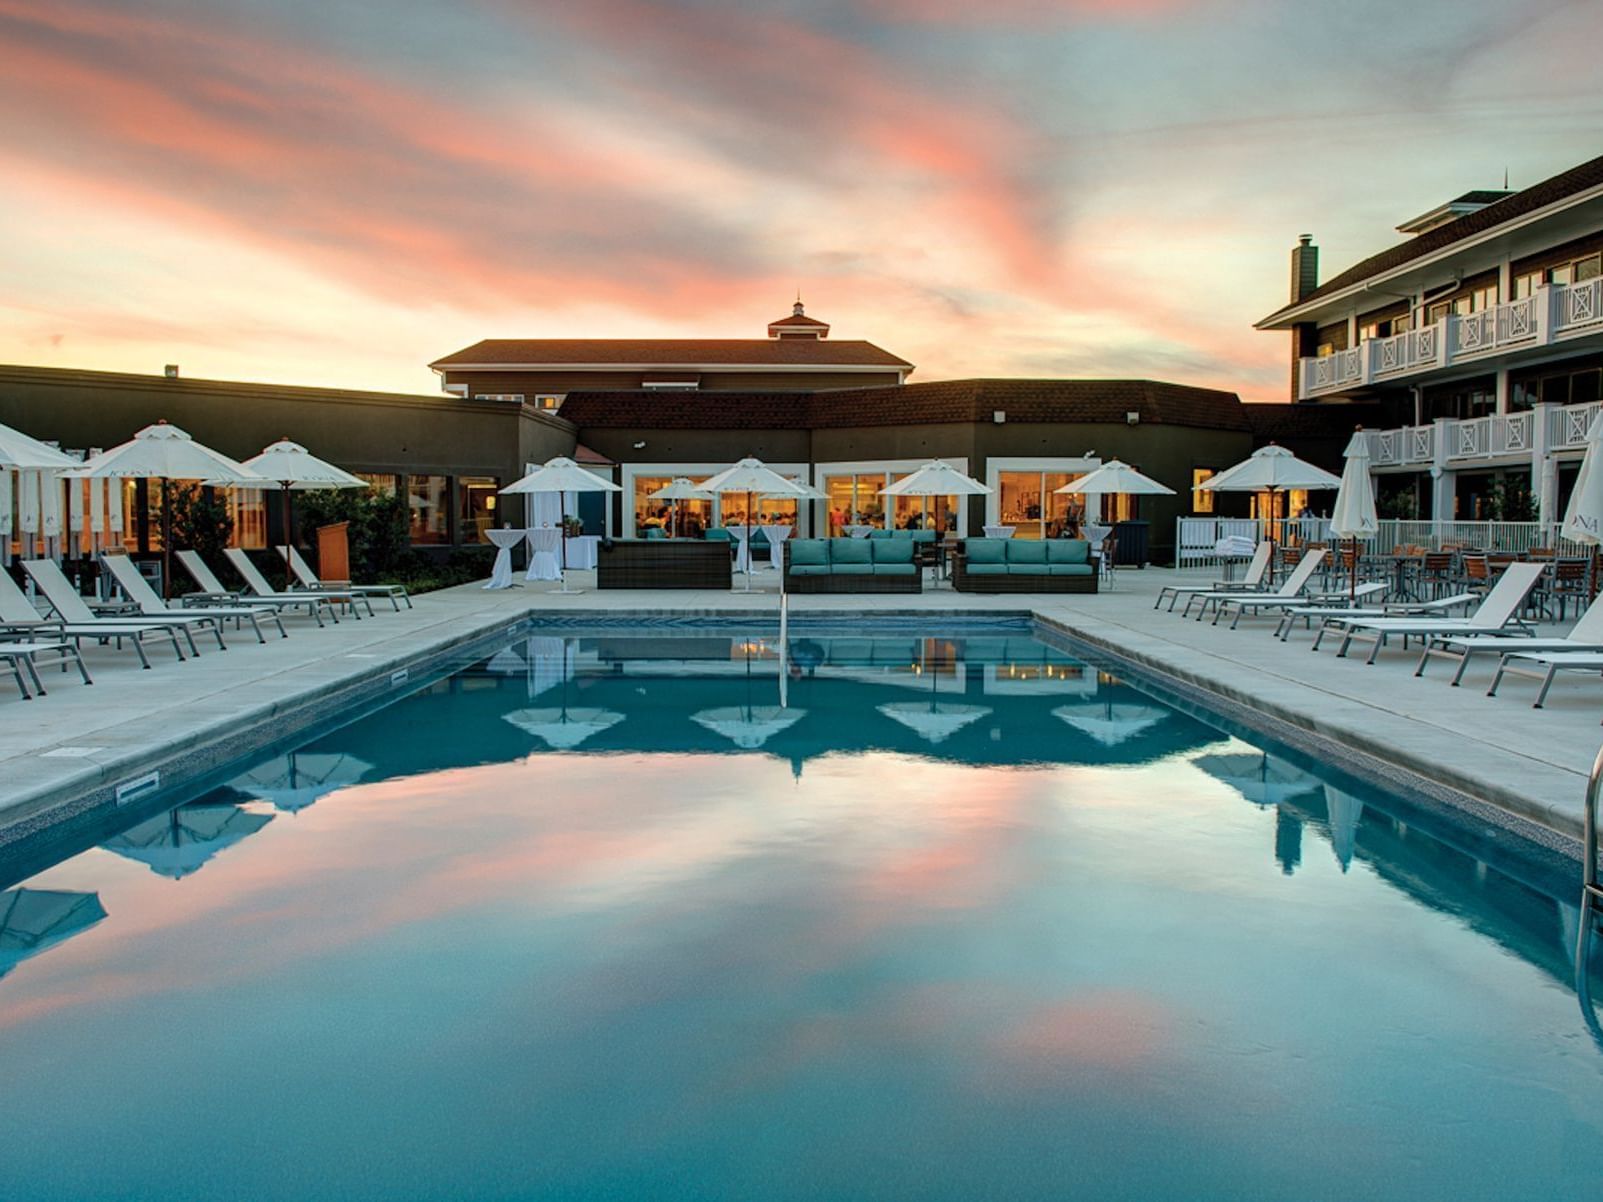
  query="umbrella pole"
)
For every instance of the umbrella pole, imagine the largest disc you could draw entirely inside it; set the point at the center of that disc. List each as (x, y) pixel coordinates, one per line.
(747, 544)
(289, 539)
(1352, 571)
(562, 544)
(166, 541)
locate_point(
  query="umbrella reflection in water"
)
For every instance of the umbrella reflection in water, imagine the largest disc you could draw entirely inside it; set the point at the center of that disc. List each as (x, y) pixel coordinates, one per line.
(1261, 778)
(1110, 722)
(548, 662)
(182, 840)
(32, 920)
(933, 720)
(295, 780)
(749, 726)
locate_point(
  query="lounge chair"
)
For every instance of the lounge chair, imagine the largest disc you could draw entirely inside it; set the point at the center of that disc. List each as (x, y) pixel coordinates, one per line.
(22, 657)
(396, 593)
(1291, 607)
(66, 601)
(137, 589)
(1332, 617)
(1585, 635)
(19, 618)
(1545, 666)
(1497, 613)
(1290, 589)
(314, 603)
(1251, 580)
(212, 591)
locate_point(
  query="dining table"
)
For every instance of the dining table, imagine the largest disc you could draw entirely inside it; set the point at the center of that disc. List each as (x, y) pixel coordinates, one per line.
(742, 537)
(503, 540)
(544, 544)
(777, 534)
(581, 551)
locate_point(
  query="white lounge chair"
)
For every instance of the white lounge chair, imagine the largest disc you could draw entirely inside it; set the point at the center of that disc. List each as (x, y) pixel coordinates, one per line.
(1331, 617)
(18, 617)
(1251, 579)
(1585, 635)
(1290, 608)
(1290, 589)
(1497, 613)
(22, 657)
(212, 592)
(313, 603)
(396, 593)
(1544, 666)
(137, 589)
(66, 601)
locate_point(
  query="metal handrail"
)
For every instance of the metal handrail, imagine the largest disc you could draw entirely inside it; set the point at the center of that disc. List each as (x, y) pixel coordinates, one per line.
(1594, 786)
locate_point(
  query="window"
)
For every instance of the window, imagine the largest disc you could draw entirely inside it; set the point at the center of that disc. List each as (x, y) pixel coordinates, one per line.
(382, 483)
(1483, 299)
(854, 500)
(919, 513)
(1201, 498)
(513, 398)
(548, 402)
(428, 502)
(248, 509)
(694, 513)
(1588, 268)
(732, 510)
(1527, 284)
(1029, 502)
(478, 499)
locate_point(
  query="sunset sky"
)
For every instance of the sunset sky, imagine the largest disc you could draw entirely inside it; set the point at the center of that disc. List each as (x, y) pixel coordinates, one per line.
(338, 192)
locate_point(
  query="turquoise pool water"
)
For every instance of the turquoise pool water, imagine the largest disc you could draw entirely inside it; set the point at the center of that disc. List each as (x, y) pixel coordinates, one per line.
(963, 918)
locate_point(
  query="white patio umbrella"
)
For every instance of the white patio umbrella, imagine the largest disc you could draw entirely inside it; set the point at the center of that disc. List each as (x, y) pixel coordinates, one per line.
(182, 840)
(561, 475)
(22, 453)
(563, 729)
(1116, 478)
(754, 478)
(1110, 722)
(1261, 778)
(164, 452)
(748, 726)
(292, 466)
(295, 780)
(32, 920)
(680, 488)
(1345, 811)
(1270, 469)
(1354, 516)
(1583, 517)
(936, 478)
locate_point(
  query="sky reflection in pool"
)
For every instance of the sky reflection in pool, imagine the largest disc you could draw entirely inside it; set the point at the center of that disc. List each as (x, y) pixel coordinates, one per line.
(964, 919)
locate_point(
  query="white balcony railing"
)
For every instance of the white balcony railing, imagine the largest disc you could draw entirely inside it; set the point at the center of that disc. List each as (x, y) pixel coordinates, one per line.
(1496, 435)
(1558, 311)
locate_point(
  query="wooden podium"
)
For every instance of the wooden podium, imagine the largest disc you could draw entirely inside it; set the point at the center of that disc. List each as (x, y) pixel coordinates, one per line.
(333, 554)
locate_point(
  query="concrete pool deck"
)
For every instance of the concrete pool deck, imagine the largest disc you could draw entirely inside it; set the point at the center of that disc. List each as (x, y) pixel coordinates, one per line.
(1499, 751)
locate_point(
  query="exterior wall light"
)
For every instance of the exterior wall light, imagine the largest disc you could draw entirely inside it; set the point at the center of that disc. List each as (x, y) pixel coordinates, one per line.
(1133, 417)
(999, 416)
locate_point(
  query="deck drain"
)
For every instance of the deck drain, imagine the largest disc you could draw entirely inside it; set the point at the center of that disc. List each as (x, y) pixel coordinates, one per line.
(70, 753)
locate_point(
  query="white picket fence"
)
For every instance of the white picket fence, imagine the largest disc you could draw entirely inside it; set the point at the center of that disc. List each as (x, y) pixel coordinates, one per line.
(1195, 538)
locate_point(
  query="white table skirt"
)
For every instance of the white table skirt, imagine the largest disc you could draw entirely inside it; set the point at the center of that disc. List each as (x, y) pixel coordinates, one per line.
(999, 531)
(581, 550)
(742, 537)
(543, 563)
(776, 544)
(504, 540)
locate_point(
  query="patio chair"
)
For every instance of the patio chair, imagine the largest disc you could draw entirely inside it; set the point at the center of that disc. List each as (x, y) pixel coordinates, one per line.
(137, 589)
(313, 603)
(19, 618)
(23, 657)
(1289, 590)
(1586, 635)
(1331, 618)
(66, 601)
(396, 593)
(1544, 666)
(212, 591)
(1497, 611)
(1252, 579)
(1436, 573)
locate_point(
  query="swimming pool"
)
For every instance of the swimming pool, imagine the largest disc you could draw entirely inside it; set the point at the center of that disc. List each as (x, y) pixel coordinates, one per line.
(641, 914)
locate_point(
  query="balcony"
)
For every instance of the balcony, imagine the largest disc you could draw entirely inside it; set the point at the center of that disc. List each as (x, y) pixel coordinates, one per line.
(1480, 439)
(1555, 313)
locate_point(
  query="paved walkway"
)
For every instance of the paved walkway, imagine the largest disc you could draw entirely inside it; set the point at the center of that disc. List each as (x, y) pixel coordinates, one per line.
(1530, 762)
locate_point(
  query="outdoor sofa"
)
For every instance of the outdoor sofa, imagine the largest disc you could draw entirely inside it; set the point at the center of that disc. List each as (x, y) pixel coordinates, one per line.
(1020, 565)
(662, 563)
(852, 565)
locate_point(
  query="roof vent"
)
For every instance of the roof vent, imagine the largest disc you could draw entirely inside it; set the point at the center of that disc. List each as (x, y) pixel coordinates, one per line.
(171, 371)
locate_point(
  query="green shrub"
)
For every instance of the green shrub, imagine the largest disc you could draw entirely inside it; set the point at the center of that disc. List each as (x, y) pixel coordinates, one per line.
(200, 522)
(378, 533)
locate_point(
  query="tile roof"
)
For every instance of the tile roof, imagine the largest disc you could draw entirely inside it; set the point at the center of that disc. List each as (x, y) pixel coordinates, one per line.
(1283, 422)
(953, 401)
(1549, 191)
(672, 352)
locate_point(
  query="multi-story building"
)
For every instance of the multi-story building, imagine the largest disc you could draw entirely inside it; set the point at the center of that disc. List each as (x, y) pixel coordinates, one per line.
(1479, 339)
(796, 354)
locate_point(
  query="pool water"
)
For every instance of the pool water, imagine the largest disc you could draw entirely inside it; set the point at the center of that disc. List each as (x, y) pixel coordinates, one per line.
(633, 916)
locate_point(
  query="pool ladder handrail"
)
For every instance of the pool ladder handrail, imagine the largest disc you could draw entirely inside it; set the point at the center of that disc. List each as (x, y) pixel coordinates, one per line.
(1591, 897)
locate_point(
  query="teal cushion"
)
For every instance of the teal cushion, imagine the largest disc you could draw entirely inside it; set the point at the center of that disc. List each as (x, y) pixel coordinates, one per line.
(986, 569)
(901, 534)
(895, 569)
(922, 536)
(808, 569)
(655, 532)
(1068, 550)
(876, 532)
(1070, 569)
(985, 550)
(715, 534)
(810, 551)
(850, 550)
(894, 550)
(851, 569)
(1026, 550)
(1029, 569)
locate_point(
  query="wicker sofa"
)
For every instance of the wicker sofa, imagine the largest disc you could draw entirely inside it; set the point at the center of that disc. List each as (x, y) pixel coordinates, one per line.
(663, 563)
(852, 565)
(1003, 565)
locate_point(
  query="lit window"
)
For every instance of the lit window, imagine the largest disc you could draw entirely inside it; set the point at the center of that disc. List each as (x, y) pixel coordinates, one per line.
(1201, 498)
(478, 498)
(427, 498)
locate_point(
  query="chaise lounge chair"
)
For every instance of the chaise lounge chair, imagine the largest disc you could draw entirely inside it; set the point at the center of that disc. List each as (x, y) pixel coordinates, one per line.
(137, 589)
(1289, 591)
(1546, 666)
(1497, 613)
(1332, 617)
(22, 657)
(396, 593)
(314, 603)
(212, 591)
(67, 602)
(19, 617)
(1585, 635)
(1251, 580)
(1291, 608)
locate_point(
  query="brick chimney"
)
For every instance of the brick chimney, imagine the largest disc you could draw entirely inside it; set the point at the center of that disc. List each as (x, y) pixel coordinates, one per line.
(1304, 267)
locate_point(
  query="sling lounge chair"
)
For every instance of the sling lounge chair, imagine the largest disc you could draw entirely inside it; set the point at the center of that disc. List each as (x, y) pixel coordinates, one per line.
(314, 603)
(67, 602)
(137, 589)
(1497, 613)
(23, 657)
(19, 618)
(1585, 635)
(1290, 589)
(1251, 579)
(1291, 607)
(212, 591)
(396, 593)
(1544, 666)
(1332, 617)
